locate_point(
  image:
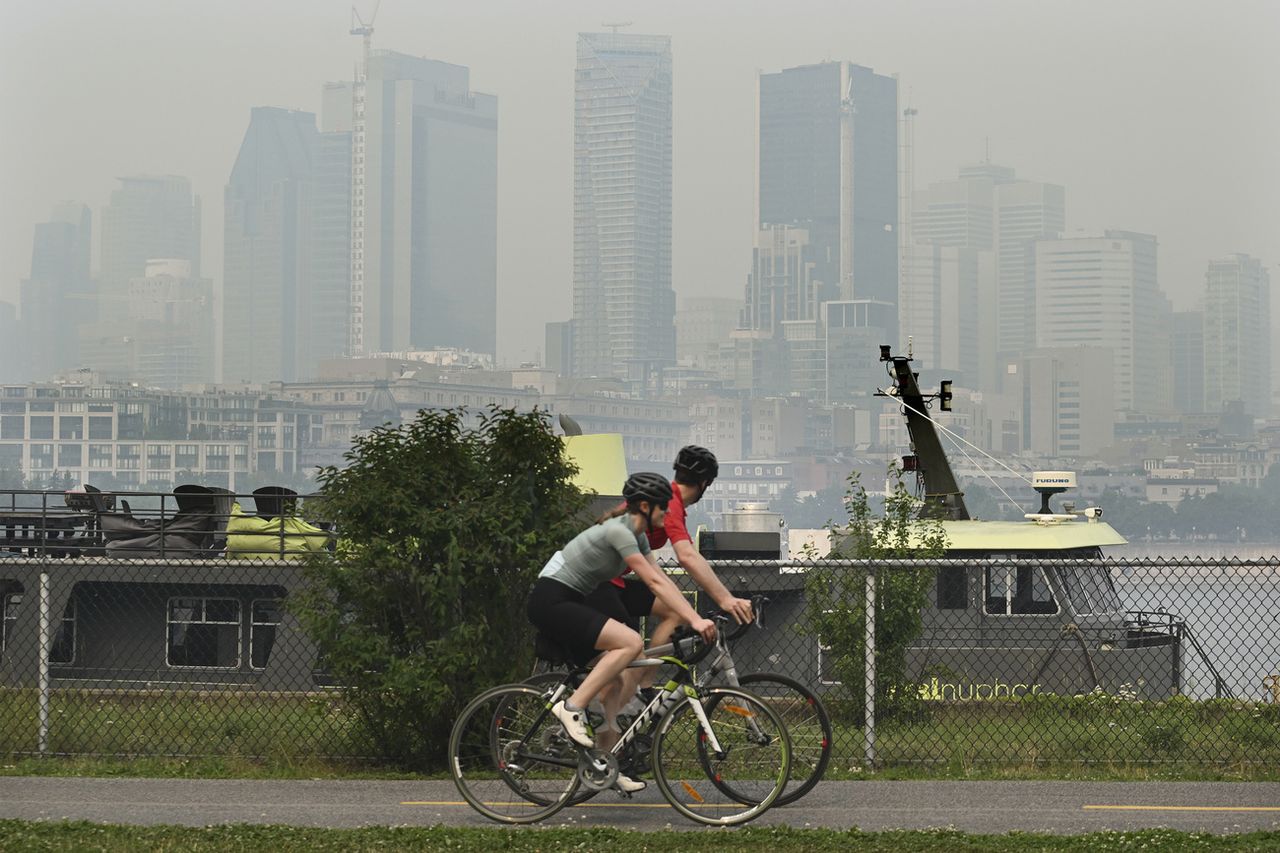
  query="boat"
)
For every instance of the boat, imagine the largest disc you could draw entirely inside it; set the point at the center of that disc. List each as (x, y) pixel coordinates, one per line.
(1017, 607)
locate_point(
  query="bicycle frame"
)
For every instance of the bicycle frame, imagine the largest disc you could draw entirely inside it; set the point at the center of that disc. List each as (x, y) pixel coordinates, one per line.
(672, 693)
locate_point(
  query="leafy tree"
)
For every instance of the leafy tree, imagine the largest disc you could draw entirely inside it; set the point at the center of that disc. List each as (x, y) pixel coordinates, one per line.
(837, 597)
(444, 523)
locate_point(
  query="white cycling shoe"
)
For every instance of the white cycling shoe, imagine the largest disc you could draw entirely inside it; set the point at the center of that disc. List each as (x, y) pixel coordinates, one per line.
(627, 785)
(575, 724)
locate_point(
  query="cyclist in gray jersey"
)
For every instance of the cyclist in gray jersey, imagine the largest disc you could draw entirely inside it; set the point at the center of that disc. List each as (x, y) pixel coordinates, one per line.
(559, 609)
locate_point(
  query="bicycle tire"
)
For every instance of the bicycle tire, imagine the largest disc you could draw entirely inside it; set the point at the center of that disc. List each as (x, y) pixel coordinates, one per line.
(499, 762)
(686, 770)
(808, 725)
(544, 681)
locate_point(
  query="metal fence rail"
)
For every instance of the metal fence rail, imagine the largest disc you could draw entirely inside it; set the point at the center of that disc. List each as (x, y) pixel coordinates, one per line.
(1009, 663)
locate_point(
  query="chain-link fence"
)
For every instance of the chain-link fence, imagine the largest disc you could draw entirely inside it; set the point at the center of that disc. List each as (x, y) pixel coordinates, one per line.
(165, 632)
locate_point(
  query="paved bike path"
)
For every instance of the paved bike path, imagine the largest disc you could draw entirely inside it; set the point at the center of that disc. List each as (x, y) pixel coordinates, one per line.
(976, 807)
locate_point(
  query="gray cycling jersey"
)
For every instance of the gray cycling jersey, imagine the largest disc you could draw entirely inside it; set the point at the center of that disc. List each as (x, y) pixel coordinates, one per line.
(596, 555)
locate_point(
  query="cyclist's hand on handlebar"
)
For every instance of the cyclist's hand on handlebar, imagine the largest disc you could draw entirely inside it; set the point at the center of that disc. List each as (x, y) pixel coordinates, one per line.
(740, 609)
(706, 628)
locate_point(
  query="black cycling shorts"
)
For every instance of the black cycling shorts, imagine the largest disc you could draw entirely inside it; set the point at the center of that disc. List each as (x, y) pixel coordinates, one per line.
(628, 604)
(563, 615)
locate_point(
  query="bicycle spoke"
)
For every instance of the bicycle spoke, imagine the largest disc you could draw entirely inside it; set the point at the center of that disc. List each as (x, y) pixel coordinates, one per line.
(808, 725)
(512, 761)
(735, 782)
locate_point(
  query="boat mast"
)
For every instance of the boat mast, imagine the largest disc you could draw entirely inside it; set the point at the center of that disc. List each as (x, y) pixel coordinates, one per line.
(942, 496)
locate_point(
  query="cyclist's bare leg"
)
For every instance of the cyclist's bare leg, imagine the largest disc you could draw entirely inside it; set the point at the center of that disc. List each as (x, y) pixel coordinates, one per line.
(621, 646)
(665, 623)
(611, 698)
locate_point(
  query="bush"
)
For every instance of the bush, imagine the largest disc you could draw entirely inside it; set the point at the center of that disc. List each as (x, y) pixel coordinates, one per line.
(444, 523)
(837, 597)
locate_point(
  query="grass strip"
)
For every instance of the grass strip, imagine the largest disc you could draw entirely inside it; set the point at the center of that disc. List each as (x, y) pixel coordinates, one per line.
(82, 835)
(17, 835)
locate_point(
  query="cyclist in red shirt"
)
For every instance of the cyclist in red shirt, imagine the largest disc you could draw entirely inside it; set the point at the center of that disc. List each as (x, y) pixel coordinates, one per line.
(627, 599)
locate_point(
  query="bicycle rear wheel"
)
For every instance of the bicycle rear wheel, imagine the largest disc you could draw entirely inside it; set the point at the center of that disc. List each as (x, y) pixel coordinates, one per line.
(509, 758)
(808, 725)
(754, 753)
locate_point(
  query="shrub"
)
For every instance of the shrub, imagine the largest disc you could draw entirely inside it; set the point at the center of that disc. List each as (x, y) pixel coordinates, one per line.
(837, 597)
(443, 525)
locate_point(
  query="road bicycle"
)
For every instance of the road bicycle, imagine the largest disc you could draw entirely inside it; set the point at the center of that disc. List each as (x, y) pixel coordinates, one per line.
(720, 756)
(807, 721)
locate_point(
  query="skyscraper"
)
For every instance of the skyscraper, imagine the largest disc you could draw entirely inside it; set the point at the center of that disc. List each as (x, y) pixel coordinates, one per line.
(268, 248)
(1026, 211)
(987, 208)
(423, 208)
(58, 297)
(623, 305)
(147, 218)
(1188, 362)
(1237, 335)
(1102, 291)
(170, 326)
(829, 165)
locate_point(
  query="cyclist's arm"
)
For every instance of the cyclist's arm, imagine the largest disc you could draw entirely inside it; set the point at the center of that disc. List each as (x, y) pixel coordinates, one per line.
(701, 572)
(664, 589)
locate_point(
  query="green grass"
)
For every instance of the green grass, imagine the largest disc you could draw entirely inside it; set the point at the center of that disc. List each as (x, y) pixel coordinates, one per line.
(237, 735)
(232, 725)
(26, 835)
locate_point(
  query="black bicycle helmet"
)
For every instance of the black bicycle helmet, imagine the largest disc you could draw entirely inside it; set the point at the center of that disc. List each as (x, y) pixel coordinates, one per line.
(696, 464)
(647, 486)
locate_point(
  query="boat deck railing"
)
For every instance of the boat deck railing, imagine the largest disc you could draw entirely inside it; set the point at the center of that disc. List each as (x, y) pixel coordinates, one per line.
(187, 523)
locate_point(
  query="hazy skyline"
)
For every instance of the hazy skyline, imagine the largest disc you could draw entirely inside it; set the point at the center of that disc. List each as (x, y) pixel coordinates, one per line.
(1158, 117)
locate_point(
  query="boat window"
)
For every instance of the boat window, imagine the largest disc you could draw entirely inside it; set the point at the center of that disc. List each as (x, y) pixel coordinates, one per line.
(1090, 589)
(262, 630)
(12, 601)
(1018, 590)
(952, 588)
(204, 632)
(63, 648)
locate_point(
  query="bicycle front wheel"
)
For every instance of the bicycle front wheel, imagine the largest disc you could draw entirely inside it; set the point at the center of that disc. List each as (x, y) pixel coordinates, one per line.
(808, 725)
(509, 757)
(743, 742)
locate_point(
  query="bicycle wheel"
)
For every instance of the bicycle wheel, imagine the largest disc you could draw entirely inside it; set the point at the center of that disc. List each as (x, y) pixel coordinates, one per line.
(808, 725)
(544, 682)
(754, 752)
(509, 758)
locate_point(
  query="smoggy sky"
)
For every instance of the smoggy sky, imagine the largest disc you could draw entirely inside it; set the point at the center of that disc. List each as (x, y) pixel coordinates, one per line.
(1161, 116)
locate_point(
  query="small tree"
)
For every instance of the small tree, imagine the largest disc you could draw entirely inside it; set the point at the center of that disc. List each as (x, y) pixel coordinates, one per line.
(837, 596)
(443, 527)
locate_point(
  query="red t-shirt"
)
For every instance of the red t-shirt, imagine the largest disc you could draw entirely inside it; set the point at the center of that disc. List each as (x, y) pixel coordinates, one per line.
(673, 528)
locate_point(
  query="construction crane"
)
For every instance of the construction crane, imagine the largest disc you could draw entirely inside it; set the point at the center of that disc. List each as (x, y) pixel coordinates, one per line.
(617, 26)
(364, 29)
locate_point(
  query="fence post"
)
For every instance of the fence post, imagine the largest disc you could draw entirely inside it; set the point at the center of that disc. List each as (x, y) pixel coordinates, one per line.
(43, 656)
(869, 679)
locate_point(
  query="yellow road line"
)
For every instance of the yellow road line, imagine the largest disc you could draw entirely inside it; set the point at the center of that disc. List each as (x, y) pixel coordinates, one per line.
(1189, 808)
(578, 806)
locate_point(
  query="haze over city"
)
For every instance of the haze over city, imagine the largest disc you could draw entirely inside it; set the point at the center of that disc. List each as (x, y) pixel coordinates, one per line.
(1158, 117)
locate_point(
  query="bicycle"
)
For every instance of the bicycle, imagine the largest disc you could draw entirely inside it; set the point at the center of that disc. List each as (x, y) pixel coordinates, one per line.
(807, 721)
(512, 761)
